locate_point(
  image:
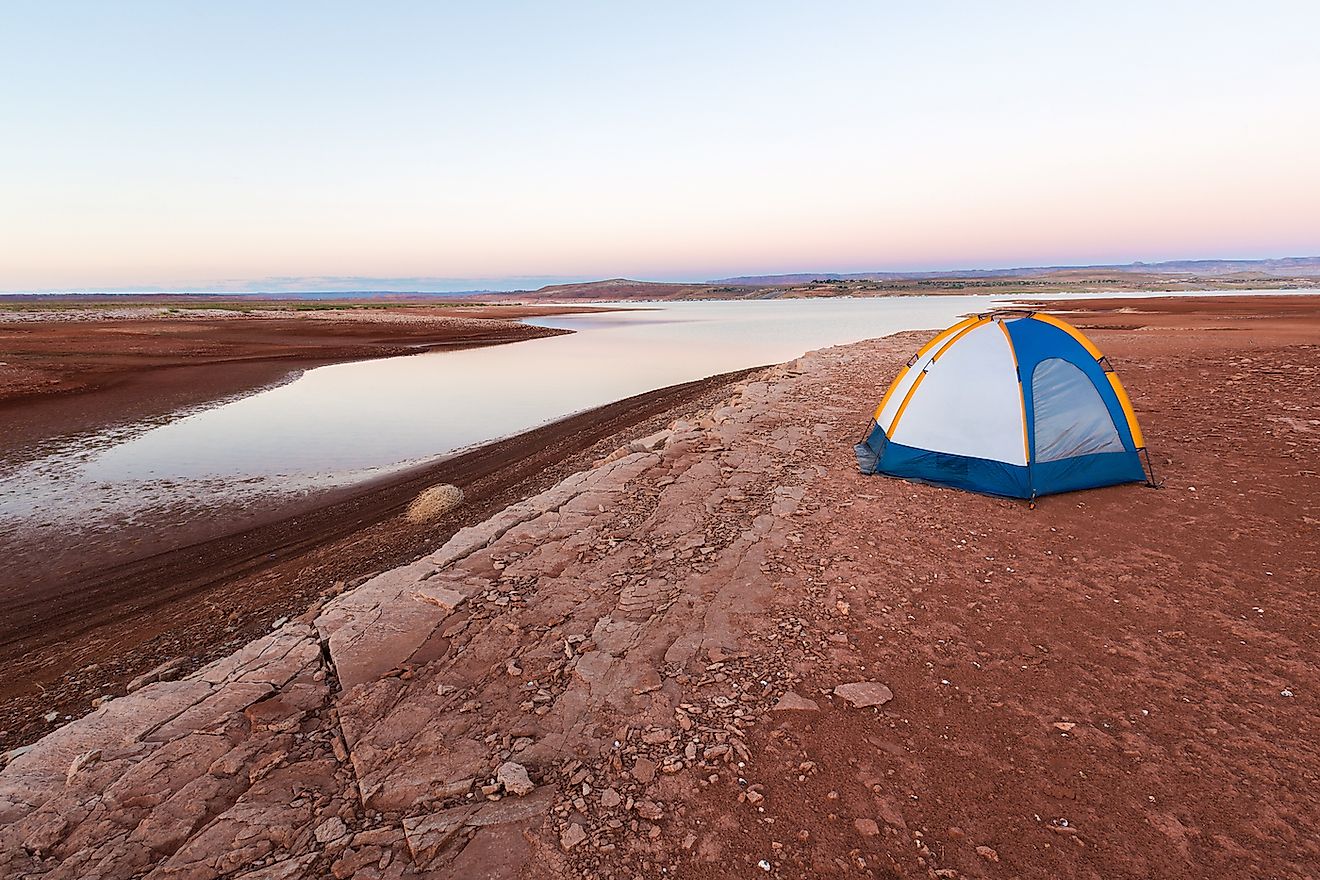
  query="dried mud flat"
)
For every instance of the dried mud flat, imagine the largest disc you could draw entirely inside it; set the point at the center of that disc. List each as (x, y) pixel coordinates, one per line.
(634, 672)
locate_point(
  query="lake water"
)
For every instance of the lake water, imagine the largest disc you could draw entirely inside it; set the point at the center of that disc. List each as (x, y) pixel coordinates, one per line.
(341, 424)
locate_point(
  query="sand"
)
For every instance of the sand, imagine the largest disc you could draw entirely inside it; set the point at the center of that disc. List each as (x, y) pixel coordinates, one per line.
(1118, 683)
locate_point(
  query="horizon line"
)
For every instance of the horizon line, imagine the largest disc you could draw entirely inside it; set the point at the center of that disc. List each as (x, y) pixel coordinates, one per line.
(452, 286)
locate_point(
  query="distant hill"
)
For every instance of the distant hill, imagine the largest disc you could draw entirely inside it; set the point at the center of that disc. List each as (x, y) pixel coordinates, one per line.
(1173, 275)
(616, 289)
(1285, 267)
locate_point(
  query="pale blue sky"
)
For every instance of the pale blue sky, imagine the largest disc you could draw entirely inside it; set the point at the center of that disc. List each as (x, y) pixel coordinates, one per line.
(180, 144)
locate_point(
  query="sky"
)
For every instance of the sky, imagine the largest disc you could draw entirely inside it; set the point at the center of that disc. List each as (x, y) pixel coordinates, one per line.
(337, 145)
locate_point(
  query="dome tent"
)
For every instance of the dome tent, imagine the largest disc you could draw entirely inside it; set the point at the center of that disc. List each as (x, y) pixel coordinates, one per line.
(1019, 405)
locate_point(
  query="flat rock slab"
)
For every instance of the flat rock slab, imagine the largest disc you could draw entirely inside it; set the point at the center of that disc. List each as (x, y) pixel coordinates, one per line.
(864, 693)
(793, 702)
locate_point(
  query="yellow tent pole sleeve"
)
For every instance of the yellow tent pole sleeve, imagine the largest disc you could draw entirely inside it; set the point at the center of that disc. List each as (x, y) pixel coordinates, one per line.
(1071, 331)
(939, 338)
(971, 324)
(964, 324)
(906, 400)
(1131, 414)
(1119, 390)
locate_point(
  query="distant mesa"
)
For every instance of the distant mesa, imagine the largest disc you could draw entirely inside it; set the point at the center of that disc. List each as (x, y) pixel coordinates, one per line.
(1284, 267)
(1167, 276)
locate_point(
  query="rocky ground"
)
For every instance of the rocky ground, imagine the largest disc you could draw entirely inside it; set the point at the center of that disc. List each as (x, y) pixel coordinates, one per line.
(721, 652)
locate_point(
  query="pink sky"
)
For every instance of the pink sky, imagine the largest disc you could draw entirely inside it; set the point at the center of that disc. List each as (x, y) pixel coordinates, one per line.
(469, 143)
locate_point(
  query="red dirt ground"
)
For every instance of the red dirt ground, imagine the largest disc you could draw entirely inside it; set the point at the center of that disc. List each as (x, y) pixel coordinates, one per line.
(1120, 683)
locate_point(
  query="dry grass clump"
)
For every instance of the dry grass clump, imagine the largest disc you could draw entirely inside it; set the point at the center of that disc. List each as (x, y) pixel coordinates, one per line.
(434, 502)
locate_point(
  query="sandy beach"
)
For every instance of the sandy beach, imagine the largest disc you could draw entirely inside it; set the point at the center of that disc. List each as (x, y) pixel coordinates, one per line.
(718, 650)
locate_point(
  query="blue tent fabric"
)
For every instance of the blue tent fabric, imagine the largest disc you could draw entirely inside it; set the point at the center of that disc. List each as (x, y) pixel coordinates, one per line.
(1088, 438)
(1036, 341)
(945, 469)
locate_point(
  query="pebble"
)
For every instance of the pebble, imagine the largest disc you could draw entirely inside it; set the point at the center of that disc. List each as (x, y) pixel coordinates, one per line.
(574, 835)
(864, 693)
(513, 776)
(331, 829)
(866, 827)
(643, 770)
(649, 810)
(792, 702)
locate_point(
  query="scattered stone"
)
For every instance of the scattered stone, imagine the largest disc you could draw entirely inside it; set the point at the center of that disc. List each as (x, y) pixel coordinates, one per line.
(866, 827)
(51, 717)
(434, 503)
(330, 830)
(987, 853)
(864, 693)
(649, 810)
(793, 702)
(573, 836)
(716, 752)
(513, 776)
(643, 770)
(609, 799)
(1065, 726)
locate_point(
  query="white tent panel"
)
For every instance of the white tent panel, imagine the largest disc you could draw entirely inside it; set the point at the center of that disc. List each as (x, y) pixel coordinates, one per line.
(904, 383)
(969, 402)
